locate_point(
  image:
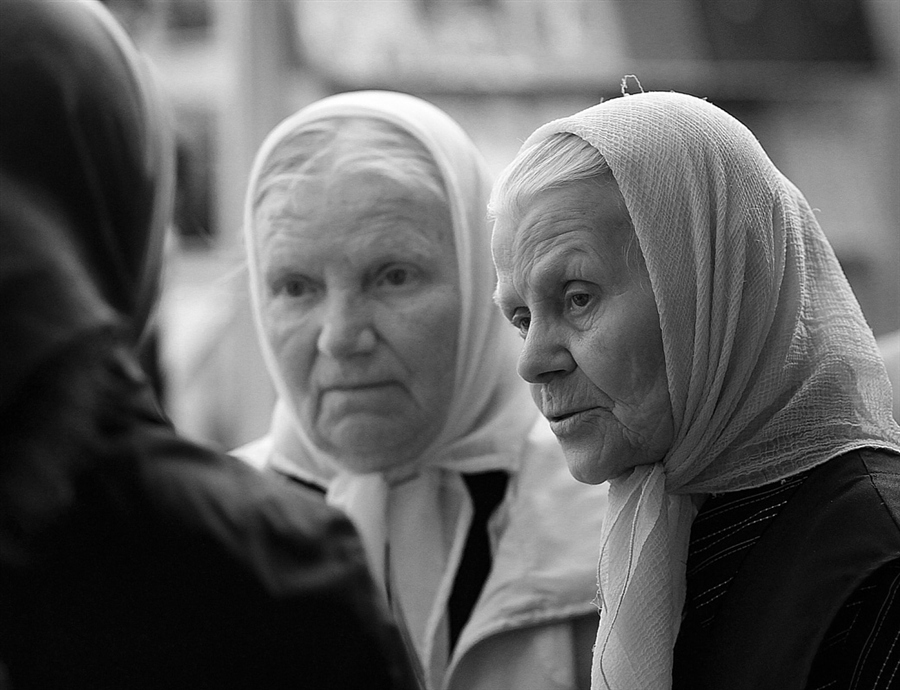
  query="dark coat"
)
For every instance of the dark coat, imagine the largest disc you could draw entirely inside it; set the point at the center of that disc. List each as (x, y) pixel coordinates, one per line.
(841, 526)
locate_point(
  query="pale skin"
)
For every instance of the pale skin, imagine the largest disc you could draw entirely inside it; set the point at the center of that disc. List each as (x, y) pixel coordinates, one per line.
(360, 303)
(592, 342)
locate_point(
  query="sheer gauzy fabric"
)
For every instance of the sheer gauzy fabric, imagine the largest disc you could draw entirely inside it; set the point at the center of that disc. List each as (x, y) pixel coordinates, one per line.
(420, 513)
(771, 366)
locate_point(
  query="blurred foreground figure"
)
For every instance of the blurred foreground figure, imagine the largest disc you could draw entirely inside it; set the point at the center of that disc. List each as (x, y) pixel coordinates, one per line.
(131, 558)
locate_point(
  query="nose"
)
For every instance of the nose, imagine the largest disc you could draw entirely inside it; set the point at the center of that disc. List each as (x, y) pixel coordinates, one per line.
(545, 355)
(346, 328)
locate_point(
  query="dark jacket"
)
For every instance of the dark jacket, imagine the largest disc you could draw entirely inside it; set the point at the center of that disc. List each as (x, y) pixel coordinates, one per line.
(826, 544)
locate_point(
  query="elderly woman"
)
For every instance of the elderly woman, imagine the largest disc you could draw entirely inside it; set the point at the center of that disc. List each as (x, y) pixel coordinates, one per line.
(371, 276)
(691, 338)
(129, 557)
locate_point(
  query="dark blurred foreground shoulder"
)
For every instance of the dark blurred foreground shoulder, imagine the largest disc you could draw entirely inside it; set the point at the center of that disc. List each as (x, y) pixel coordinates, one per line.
(133, 558)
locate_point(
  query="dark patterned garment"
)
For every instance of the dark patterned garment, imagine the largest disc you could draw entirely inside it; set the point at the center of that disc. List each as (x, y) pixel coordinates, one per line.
(860, 651)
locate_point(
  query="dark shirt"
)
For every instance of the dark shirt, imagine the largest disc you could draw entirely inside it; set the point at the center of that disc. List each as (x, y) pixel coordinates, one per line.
(861, 648)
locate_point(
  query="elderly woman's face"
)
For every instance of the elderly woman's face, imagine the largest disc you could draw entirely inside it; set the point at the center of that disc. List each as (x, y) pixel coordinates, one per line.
(360, 302)
(593, 348)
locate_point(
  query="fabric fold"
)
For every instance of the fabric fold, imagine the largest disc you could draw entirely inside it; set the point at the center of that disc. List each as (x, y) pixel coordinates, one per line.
(641, 586)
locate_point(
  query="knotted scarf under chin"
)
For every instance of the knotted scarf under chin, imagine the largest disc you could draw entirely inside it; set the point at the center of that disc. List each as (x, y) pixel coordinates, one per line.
(414, 528)
(646, 534)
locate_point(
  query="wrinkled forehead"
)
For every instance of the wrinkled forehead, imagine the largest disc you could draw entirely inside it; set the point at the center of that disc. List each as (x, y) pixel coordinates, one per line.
(585, 217)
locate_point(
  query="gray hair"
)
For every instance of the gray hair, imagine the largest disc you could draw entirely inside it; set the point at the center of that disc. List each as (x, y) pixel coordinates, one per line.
(331, 147)
(554, 162)
(559, 160)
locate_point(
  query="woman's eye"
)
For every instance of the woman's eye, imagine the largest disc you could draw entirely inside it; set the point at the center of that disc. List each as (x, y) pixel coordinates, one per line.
(291, 287)
(294, 288)
(580, 299)
(578, 296)
(396, 276)
(521, 320)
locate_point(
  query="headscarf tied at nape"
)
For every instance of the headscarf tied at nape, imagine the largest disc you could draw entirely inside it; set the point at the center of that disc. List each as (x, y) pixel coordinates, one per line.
(771, 366)
(491, 411)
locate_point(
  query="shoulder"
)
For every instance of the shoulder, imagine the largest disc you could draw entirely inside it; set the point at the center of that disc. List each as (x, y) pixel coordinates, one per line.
(868, 479)
(883, 468)
(229, 497)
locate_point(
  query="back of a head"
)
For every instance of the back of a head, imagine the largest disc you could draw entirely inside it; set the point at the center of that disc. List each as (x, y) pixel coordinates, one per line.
(86, 170)
(84, 185)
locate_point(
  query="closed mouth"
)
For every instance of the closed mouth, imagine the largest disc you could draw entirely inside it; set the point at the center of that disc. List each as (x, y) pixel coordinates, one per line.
(565, 415)
(350, 387)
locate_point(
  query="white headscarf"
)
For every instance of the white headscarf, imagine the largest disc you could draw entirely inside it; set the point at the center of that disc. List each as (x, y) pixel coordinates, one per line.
(771, 366)
(422, 512)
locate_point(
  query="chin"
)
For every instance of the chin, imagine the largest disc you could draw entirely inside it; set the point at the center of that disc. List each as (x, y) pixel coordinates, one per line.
(590, 463)
(584, 467)
(364, 448)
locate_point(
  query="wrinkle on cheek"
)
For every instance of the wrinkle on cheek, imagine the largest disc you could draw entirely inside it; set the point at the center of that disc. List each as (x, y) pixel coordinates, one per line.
(632, 437)
(654, 422)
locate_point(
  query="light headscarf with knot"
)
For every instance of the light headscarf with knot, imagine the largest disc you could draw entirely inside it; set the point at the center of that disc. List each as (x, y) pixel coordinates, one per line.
(771, 366)
(422, 511)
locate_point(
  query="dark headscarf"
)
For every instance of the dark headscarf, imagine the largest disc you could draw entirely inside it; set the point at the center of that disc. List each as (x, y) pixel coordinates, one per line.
(86, 174)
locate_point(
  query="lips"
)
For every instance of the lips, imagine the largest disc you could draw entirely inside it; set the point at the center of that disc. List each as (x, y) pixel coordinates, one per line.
(562, 416)
(350, 386)
(562, 403)
(376, 398)
(568, 422)
(559, 415)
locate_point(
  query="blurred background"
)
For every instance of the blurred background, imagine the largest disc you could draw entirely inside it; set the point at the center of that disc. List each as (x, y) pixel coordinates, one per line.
(818, 82)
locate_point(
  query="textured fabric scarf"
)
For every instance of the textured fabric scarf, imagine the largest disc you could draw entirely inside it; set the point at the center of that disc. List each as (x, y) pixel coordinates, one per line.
(772, 368)
(414, 519)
